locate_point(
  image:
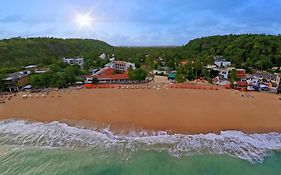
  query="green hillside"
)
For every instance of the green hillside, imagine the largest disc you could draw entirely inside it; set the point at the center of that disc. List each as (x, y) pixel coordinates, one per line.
(19, 51)
(257, 51)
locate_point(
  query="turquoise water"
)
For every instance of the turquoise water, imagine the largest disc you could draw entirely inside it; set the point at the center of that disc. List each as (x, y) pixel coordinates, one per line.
(30, 161)
(31, 148)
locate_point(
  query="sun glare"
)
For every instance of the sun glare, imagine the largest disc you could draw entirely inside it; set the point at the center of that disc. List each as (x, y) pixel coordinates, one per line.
(84, 20)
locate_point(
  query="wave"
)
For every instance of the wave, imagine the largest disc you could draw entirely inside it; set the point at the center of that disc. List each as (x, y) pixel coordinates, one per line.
(251, 147)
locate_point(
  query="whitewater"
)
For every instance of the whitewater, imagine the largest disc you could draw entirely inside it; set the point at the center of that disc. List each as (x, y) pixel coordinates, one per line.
(251, 147)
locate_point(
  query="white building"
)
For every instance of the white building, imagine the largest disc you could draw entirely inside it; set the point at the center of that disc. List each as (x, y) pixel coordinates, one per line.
(103, 56)
(223, 72)
(72, 61)
(121, 65)
(221, 62)
(112, 58)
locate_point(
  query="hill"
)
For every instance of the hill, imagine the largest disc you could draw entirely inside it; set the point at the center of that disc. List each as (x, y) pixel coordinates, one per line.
(248, 50)
(21, 51)
(245, 51)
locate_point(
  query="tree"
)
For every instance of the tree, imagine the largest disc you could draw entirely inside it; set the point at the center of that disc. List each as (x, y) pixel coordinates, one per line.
(138, 74)
(233, 76)
(2, 85)
(180, 78)
(206, 74)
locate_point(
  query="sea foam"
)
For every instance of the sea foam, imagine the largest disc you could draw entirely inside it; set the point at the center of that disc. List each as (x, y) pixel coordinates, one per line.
(251, 147)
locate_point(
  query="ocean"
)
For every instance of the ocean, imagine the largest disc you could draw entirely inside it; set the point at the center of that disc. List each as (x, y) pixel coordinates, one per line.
(28, 148)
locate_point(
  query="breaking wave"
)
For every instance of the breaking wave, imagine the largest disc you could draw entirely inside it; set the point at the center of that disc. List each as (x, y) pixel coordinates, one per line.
(251, 147)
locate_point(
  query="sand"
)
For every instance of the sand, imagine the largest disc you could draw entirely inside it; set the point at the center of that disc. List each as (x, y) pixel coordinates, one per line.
(175, 110)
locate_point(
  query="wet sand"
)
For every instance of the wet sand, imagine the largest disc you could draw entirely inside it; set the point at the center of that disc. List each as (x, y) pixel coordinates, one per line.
(177, 110)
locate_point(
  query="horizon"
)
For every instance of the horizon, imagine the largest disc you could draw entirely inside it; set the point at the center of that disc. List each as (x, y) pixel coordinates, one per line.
(161, 23)
(137, 46)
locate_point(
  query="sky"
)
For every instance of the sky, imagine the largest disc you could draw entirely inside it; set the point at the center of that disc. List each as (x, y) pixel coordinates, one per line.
(138, 22)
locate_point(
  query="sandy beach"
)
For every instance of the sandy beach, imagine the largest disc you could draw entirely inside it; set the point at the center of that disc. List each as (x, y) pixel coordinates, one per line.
(176, 110)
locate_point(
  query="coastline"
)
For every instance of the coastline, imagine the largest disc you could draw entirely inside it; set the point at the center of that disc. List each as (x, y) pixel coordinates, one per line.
(173, 110)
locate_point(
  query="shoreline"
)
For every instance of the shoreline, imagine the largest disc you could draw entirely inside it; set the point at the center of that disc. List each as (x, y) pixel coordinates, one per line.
(172, 110)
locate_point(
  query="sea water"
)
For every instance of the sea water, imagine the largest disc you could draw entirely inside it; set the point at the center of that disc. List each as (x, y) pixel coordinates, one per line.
(56, 148)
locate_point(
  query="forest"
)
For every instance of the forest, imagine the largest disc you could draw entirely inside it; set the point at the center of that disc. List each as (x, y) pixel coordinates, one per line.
(248, 51)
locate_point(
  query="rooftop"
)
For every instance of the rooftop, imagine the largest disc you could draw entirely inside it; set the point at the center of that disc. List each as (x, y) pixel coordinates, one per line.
(14, 76)
(265, 75)
(30, 66)
(109, 73)
(220, 58)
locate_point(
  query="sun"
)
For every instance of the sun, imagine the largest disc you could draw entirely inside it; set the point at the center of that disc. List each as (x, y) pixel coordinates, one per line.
(84, 20)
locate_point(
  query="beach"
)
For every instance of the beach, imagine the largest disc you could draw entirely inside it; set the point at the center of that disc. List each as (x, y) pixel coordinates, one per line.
(135, 130)
(188, 111)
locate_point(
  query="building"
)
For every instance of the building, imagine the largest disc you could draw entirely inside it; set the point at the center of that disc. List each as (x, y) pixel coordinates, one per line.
(31, 69)
(112, 58)
(223, 73)
(109, 75)
(121, 65)
(72, 61)
(221, 62)
(16, 81)
(41, 70)
(241, 73)
(251, 80)
(265, 76)
(241, 85)
(94, 71)
(162, 71)
(172, 76)
(102, 56)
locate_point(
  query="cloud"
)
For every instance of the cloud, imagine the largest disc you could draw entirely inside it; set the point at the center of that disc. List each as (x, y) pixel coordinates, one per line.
(145, 22)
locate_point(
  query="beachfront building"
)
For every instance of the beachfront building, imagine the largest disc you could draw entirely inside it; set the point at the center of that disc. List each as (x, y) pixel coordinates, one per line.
(253, 82)
(241, 73)
(223, 73)
(16, 81)
(162, 71)
(108, 75)
(172, 76)
(265, 76)
(72, 61)
(121, 65)
(221, 62)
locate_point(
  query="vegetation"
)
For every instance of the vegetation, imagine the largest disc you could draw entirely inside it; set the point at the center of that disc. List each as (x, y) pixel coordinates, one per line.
(17, 52)
(138, 74)
(256, 51)
(2, 86)
(180, 77)
(59, 76)
(246, 51)
(233, 76)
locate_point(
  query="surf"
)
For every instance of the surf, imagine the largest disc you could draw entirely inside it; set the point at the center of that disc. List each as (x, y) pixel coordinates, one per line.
(251, 147)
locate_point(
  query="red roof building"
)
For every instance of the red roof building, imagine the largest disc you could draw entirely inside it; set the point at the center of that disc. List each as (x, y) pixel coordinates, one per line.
(241, 73)
(109, 75)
